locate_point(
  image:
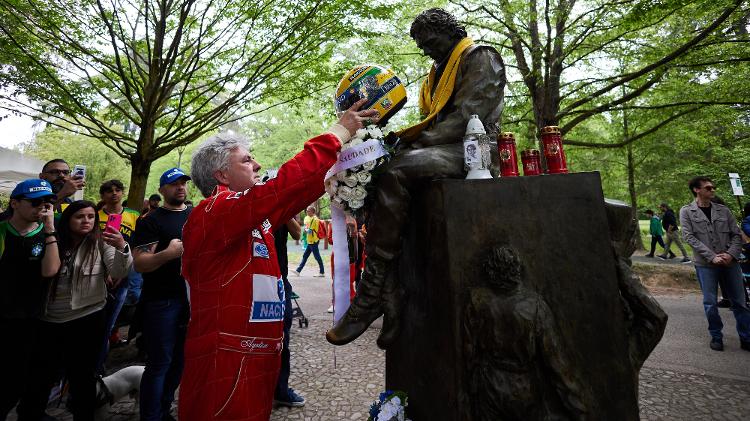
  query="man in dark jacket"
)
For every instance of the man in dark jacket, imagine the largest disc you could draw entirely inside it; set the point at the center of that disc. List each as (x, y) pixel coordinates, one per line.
(669, 222)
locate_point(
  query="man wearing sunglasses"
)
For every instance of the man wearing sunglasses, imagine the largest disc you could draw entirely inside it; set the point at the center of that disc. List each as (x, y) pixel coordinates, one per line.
(57, 173)
(712, 232)
(28, 254)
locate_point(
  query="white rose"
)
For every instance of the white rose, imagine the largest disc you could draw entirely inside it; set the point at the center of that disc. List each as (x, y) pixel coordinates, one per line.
(387, 412)
(356, 204)
(364, 177)
(359, 193)
(355, 169)
(369, 165)
(350, 180)
(360, 134)
(355, 141)
(341, 175)
(374, 132)
(345, 193)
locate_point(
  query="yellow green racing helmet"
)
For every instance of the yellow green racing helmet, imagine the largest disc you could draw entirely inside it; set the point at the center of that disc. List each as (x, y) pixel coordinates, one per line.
(379, 85)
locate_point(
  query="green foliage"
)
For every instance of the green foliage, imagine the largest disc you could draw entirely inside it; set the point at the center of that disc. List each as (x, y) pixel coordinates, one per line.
(610, 62)
(101, 163)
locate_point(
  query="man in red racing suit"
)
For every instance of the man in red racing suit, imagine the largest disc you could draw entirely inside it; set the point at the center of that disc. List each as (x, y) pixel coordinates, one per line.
(232, 352)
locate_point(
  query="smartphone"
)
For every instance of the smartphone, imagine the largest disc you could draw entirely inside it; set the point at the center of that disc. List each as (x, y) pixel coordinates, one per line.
(79, 171)
(113, 223)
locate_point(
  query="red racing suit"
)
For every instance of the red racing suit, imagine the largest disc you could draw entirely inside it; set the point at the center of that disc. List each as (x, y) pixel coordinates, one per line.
(232, 352)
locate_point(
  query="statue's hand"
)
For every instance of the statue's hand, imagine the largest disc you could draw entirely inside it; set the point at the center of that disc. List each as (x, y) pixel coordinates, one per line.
(392, 139)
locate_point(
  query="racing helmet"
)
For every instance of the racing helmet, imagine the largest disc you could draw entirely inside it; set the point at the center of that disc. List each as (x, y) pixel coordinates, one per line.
(379, 85)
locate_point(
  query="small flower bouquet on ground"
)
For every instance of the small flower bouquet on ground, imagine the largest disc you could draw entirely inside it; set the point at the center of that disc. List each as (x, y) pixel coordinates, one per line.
(359, 158)
(391, 406)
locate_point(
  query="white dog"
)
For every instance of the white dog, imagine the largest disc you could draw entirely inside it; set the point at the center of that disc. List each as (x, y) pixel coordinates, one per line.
(115, 387)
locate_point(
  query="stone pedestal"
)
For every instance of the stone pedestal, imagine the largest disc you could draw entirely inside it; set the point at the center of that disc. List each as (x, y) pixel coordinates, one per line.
(557, 226)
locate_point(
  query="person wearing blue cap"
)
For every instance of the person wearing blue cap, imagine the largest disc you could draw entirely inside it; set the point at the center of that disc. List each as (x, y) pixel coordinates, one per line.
(28, 255)
(157, 244)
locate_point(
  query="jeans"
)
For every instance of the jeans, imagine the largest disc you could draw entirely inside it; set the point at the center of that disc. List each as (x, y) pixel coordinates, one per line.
(656, 239)
(282, 384)
(164, 331)
(311, 248)
(730, 279)
(70, 348)
(135, 282)
(111, 311)
(674, 237)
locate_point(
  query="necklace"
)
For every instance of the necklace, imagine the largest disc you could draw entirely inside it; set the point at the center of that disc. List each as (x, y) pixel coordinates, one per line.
(24, 232)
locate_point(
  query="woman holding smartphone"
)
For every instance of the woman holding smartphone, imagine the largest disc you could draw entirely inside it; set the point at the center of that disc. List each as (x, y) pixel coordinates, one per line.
(72, 323)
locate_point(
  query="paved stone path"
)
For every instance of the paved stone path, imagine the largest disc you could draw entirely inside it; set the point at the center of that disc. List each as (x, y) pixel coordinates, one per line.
(671, 395)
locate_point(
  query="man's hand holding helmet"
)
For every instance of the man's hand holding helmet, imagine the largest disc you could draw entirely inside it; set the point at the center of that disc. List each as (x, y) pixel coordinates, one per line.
(354, 119)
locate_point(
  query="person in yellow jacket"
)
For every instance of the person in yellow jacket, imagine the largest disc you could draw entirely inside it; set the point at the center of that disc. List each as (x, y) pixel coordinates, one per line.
(312, 231)
(465, 79)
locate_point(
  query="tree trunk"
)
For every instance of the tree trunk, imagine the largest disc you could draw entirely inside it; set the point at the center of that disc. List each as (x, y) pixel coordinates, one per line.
(139, 171)
(140, 167)
(633, 196)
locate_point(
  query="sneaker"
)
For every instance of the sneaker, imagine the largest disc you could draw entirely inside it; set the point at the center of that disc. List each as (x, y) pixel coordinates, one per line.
(724, 303)
(686, 260)
(672, 255)
(320, 275)
(745, 345)
(296, 272)
(330, 309)
(717, 345)
(662, 256)
(292, 400)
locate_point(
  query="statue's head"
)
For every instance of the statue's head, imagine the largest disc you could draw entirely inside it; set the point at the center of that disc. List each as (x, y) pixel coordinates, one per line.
(503, 269)
(436, 32)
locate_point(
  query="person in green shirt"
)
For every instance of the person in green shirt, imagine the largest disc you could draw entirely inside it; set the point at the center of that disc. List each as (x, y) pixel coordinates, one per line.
(656, 232)
(28, 258)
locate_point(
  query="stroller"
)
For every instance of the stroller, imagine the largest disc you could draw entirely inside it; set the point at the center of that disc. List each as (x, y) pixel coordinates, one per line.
(297, 311)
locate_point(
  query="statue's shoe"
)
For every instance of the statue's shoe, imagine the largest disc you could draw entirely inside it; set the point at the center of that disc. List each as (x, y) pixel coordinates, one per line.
(352, 325)
(366, 307)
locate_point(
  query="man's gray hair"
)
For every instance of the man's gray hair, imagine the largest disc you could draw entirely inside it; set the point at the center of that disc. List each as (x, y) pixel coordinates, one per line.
(211, 156)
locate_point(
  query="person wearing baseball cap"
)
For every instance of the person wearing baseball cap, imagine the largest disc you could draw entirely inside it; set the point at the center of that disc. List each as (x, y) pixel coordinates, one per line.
(28, 255)
(157, 250)
(171, 175)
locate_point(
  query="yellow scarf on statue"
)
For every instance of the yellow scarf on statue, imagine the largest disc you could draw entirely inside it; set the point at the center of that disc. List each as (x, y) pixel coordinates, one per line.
(430, 104)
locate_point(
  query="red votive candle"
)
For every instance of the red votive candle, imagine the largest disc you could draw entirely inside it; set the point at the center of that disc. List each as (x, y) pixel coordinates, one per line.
(506, 152)
(553, 150)
(532, 164)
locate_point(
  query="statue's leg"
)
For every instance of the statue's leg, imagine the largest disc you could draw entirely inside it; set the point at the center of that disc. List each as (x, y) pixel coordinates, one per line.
(377, 293)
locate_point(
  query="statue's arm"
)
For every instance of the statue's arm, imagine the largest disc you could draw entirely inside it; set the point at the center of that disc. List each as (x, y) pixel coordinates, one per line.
(479, 90)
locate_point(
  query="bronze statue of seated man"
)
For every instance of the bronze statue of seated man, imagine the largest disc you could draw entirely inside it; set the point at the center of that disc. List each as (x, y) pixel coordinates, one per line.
(465, 79)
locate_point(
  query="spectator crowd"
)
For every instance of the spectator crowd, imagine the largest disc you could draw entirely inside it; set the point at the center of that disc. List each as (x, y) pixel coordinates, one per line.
(72, 268)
